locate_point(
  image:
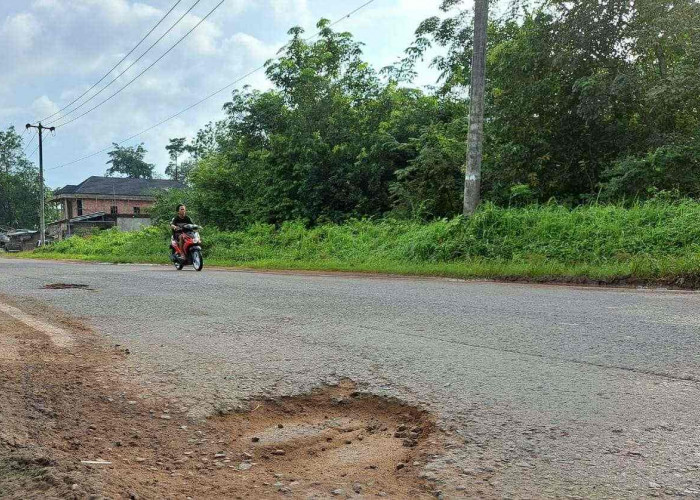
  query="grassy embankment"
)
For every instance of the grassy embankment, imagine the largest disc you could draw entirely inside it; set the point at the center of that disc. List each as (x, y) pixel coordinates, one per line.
(649, 243)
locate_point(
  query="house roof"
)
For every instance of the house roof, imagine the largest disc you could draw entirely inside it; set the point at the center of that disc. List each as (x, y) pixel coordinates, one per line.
(68, 189)
(118, 186)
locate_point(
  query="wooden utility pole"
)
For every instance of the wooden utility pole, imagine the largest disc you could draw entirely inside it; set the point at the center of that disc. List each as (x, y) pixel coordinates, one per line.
(41, 128)
(475, 140)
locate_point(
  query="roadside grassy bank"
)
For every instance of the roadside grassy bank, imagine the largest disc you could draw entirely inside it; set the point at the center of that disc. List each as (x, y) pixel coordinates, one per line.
(652, 243)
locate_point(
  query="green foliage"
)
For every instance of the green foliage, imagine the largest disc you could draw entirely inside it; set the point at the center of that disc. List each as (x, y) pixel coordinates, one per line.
(330, 142)
(165, 206)
(19, 185)
(129, 161)
(585, 101)
(671, 168)
(178, 169)
(573, 90)
(650, 240)
(11, 150)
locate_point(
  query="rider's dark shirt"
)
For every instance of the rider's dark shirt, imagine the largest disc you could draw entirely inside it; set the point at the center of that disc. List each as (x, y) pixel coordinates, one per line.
(177, 221)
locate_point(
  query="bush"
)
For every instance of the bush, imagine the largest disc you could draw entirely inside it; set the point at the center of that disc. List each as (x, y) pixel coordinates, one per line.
(671, 168)
(593, 235)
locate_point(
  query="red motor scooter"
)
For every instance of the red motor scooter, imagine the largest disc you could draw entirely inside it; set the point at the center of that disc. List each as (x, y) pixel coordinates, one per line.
(192, 253)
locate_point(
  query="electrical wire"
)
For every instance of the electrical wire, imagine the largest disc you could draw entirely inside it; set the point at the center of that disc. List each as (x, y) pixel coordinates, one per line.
(30, 142)
(46, 139)
(91, 155)
(116, 65)
(129, 67)
(142, 72)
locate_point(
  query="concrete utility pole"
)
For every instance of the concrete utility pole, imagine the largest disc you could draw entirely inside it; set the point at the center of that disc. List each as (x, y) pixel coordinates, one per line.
(42, 224)
(475, 140)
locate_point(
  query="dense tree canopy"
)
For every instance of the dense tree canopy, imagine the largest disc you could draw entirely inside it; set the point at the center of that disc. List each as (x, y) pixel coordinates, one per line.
(19, 198)
(129, 162)
(582, 95)
(19, 184)
(597, 100)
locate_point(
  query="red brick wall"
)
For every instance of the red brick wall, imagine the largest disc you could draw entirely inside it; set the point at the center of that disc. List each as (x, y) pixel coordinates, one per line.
(123, 206)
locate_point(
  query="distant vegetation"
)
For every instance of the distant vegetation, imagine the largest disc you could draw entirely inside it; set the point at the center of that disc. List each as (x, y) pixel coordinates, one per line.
(648, 242)
(19, 184)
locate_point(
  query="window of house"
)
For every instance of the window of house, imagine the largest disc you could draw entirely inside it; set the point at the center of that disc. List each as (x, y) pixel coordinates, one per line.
(80, 207)
(113, 210)
(137, 210)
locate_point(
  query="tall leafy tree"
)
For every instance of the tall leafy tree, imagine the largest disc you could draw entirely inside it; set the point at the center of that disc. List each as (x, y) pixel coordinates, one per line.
(592, 100)
(175, 148)
(129, 162)
(19, 184)
(11, 150)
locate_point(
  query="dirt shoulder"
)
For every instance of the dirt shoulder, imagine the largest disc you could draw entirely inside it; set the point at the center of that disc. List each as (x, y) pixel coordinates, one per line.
(73, 428)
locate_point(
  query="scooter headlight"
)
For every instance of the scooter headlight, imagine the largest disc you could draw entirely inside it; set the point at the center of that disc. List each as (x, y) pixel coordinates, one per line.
(195, 237)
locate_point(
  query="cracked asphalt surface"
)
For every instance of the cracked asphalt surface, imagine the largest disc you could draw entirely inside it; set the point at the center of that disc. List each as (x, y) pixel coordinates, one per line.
(550, 391)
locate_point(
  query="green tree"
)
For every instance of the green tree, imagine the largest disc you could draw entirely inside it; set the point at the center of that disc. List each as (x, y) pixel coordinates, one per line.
(129, 162)
(19, 184)
(573, 89)
(175, 148)
(11, 150)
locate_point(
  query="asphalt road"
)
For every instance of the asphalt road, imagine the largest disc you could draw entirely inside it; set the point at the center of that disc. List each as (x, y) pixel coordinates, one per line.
(552, 390)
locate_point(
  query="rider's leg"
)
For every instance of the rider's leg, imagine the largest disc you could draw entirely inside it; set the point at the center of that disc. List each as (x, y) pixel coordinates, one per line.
(181, 241)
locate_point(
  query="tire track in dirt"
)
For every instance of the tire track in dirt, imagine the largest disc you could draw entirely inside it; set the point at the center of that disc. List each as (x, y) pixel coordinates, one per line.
(58, 335)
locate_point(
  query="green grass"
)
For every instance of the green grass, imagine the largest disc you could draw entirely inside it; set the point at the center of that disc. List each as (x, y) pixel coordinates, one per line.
(649, 242)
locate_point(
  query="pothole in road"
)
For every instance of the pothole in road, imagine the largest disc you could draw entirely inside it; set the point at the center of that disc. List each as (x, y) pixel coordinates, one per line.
(334, 442)
(66, 286)
(103, 435)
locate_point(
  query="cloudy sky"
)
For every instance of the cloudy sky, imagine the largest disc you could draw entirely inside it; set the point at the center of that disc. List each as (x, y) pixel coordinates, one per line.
(51, 51)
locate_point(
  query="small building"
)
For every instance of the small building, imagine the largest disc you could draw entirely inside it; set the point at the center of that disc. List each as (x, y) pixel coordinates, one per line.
(105, 202)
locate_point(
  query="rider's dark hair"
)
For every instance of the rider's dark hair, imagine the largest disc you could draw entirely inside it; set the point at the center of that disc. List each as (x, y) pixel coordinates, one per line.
(178, 207)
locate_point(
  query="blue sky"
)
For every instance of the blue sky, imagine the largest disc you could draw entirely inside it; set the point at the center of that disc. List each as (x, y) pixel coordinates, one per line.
(51, 51)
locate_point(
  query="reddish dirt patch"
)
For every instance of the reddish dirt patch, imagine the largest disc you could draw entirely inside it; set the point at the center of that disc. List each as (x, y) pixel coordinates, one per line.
(61, 408)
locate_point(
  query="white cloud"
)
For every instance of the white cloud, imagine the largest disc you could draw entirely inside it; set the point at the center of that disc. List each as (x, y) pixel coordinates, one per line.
(255, 48)
(19, 32)
(43, 106)
(292, 11)
(204, 39)
(7, 113)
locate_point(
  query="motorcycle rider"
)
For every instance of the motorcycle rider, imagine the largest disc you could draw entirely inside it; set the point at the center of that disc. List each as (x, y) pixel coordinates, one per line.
(176, 225)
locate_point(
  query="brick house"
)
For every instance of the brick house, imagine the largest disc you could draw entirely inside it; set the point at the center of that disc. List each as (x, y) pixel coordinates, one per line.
(104, 202)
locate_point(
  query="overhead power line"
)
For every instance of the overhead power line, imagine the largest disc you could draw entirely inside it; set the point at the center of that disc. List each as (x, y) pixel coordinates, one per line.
(48, 138)
(29, 143)
(222, 89)
(117, 65)
(129, 67)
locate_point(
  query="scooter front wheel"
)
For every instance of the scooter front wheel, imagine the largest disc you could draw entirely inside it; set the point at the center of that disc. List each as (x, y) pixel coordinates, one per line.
(197, 260)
